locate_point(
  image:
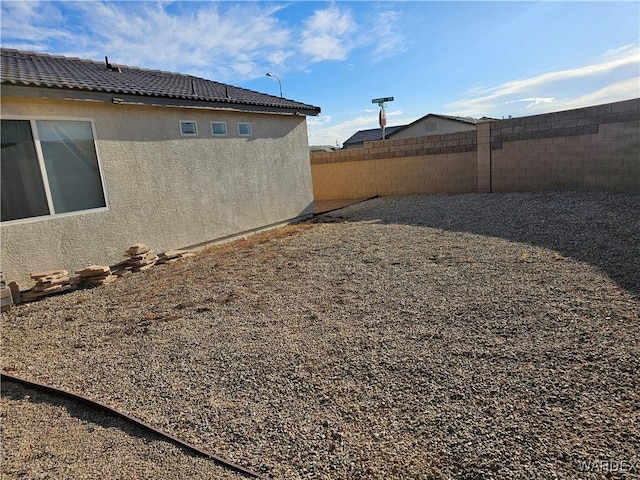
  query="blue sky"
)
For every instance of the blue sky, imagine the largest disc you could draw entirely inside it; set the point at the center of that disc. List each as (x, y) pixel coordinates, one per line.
(449, 57)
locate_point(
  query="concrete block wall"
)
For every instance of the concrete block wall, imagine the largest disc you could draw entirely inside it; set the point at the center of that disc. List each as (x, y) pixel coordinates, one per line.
(588, 148)
(408, 166)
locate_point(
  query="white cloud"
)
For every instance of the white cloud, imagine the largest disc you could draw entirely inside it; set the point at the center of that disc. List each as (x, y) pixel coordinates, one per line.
(245, 69)
(622, 51)
(393, 113)
(622, 90)
(327, 34)
(523, 85)
(227, 41)
(318, 121)
(233, 42)
(280, 57)
(33, 23)
(533, 101)
(617, 67)
(330, 134)
(325, 133)
(389, 40)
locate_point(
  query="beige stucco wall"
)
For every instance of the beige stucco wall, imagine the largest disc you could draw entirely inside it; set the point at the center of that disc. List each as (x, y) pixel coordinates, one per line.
(164, 189)
(443, 125)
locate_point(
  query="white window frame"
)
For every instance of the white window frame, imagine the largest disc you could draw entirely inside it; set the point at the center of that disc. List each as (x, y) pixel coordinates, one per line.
(219, 134)
(245, 134)
(188, 122)
(43, 171)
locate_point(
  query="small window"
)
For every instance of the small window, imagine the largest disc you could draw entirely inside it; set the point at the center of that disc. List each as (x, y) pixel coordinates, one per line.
(188, 127)
(218, 129)
(244, 129)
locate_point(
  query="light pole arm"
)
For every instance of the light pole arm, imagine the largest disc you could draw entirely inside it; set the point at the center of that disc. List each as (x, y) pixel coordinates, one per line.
(279, 82)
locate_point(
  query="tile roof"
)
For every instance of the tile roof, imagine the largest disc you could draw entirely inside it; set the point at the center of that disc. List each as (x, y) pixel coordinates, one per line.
(370, 135)
(49, 71)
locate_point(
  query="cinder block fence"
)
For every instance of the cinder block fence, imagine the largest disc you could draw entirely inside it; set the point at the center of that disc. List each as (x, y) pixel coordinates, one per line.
(588, 148)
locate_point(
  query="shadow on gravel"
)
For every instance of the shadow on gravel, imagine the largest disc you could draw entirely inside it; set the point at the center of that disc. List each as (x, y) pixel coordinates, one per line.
(600, 228)
(80, 411)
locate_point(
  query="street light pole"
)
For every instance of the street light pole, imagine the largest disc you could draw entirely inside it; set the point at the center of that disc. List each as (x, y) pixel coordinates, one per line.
(279, 82)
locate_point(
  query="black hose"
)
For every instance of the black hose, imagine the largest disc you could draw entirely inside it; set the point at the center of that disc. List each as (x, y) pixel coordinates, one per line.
(136, 421)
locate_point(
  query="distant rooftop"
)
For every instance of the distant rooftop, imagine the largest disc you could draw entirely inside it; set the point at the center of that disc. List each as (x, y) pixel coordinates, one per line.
(371, 135)
(376, 133)
(67, 73)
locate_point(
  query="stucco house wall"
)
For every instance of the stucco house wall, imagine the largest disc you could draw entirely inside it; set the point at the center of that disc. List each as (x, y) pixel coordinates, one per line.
(162, 188)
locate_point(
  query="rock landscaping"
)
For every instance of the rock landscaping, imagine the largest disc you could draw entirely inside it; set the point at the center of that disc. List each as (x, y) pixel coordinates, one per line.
(432, 337)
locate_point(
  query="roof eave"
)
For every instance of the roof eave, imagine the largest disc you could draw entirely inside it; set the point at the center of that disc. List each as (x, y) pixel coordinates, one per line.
(157, 101)
(134, 98)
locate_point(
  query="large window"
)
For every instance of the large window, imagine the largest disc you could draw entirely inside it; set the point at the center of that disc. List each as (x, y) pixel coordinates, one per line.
(48, 167)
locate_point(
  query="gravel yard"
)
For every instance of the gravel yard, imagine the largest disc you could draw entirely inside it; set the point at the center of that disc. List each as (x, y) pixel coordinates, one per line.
(428, 337)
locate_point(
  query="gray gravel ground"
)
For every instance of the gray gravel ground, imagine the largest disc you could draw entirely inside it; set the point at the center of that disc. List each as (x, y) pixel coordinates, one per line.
(466, 337)
(47, 437)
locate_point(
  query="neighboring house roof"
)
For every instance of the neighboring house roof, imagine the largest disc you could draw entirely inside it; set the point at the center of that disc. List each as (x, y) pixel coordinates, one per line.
(66, 73)
(370, 135)
(467, 120)
(376, 133)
